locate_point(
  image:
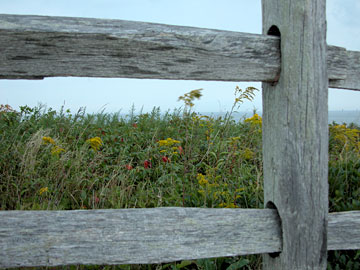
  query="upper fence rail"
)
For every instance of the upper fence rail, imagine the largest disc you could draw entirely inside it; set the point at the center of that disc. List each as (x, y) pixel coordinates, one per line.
(34, 47)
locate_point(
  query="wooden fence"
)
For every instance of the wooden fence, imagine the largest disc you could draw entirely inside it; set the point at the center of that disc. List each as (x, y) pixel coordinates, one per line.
(296, 67)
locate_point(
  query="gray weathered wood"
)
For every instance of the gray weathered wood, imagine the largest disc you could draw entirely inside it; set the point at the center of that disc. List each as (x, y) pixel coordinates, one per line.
(344, 230)
(295, 133)
(33, 47)
(39, 46)
(123, 236)
(134, 236)
(343, 64)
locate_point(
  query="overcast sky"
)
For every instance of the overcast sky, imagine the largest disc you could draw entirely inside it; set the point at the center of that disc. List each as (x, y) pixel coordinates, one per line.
(120, 94)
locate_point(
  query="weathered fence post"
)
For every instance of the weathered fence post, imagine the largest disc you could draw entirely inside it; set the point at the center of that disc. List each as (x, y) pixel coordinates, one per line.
(295, 133)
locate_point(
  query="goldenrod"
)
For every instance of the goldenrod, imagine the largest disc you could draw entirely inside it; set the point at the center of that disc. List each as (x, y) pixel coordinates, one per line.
(56, 150)
(255, 120)
(47, 140)
(95, 143)
(43, 190)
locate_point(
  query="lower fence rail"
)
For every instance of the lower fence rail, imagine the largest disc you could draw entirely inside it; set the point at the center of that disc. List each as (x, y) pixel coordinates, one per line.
(152, 235)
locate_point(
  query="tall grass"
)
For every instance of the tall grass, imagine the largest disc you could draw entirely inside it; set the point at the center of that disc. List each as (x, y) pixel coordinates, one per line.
(58, 160)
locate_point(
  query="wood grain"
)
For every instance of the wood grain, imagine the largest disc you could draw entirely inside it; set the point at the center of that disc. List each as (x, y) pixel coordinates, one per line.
(295, 134)
(34, 47)
(40, 46)
(134, 236)
(344, 230)
(124, 236)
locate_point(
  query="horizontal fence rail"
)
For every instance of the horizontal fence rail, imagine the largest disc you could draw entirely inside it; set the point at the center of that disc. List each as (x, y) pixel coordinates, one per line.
(143, 236)
(34, 47)
(133, 236)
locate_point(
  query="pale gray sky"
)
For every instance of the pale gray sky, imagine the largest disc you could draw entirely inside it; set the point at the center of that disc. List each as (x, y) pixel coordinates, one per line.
(120, 94)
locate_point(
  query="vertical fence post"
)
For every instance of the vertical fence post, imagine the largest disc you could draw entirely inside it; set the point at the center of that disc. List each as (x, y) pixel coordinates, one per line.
(295, 133)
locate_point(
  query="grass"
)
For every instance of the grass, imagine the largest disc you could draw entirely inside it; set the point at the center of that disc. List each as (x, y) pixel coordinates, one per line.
(61, 161)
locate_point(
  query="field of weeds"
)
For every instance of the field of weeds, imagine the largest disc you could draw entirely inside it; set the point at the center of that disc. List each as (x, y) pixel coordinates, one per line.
(56, 160)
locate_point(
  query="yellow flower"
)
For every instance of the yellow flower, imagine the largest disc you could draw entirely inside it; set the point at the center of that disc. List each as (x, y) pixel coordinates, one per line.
(188, 98)
(347, 137)
(227, 205)
(231, 205)
(168, 142)
(43, 190)
(254, 120)
(95, 143)
(202, 180)
(248, 154)
(56, 150)
(47, 140)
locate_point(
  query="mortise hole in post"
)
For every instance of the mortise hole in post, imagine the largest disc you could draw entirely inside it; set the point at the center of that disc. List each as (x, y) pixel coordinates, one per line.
(271, 205)
(274, 31)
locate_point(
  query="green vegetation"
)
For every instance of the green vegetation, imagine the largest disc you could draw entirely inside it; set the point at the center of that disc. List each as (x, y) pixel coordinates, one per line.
(57, 160)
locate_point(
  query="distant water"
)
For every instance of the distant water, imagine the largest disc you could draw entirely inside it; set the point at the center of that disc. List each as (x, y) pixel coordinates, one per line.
(339, 117)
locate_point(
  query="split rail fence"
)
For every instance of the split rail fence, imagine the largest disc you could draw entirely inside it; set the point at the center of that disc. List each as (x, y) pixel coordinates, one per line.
(296, 67)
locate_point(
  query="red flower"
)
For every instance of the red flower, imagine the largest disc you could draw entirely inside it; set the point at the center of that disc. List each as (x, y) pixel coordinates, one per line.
(134, 125)
(165, 159)
(147, 164)
(97, 200)
(181, 150)
(128, 167)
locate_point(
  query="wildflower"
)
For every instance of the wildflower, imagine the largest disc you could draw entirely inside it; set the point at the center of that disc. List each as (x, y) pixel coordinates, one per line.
(227, 205)
(181, 150)
(168, 142)
(165, 159)
(346, 137)
(96, 199)
(188, 98)
(134, 125)
(47, 140)
(248, 154)
(56, 150)
(43, 190)
(248, 94)
(202, 180)
(95, 143)
(147, 164)
(6, 108)
(254, 120)
(129, 167)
